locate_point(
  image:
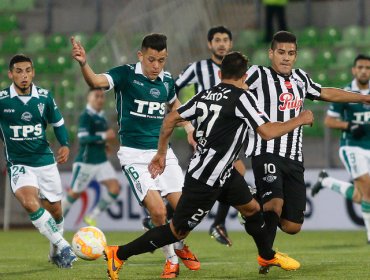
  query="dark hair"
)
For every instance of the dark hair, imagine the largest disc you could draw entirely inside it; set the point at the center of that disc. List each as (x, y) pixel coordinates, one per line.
(360, 57)
(90, 90)
(283, 37)
(19, 58)
(218, 29)
(234, 66)
(154, 41)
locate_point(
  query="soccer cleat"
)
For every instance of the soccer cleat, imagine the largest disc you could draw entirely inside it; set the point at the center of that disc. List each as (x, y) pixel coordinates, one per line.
(90, 221)
(219, 233)
(58, 261)
(114, 264)
(68, 256)
(170, 270)
(188, 258)
(318, 185)
(281, 260)
(147, 223)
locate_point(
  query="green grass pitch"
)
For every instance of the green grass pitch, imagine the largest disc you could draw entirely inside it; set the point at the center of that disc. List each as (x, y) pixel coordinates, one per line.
(323, 255)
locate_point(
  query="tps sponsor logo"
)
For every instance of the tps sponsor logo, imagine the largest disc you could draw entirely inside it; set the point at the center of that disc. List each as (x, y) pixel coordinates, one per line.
(26, 116)
(289, 102)
(145, 108)
(20, 131)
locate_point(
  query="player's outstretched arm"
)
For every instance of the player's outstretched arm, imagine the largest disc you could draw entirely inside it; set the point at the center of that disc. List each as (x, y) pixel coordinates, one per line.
(92, 79)
(273, 130)
(158, 163)
(342, 96)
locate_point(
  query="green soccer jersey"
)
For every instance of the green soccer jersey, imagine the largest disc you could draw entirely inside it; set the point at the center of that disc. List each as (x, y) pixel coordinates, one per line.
(140, 103)
(356, 113)
(91, 134)
(23, 120)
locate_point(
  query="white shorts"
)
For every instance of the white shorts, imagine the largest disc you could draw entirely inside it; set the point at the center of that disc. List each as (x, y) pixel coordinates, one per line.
(84, 173)
(356, 160)
(135, 163)
(45, 178)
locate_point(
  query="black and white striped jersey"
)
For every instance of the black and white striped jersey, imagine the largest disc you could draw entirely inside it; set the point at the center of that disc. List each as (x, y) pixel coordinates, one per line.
(281, 98)
(203, 74)
(224, 114)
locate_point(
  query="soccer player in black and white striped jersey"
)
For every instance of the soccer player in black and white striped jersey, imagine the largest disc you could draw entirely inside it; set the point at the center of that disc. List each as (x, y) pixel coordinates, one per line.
(225, 113)
(204, 75)
(278, 164)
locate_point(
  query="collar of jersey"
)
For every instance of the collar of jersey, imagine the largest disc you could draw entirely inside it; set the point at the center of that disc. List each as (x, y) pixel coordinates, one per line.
(139, 70)
(13, 93)
(281, 75)
(354, 87)
(92, 110)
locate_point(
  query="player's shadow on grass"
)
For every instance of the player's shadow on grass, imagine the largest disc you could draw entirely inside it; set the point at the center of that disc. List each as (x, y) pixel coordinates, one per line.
(25, 272)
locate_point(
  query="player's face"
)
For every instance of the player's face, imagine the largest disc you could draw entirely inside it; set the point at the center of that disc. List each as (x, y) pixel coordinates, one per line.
(22, 75)
(220, 45)
(361, 71)
(97, 99)
(152, 62)
(283, 57)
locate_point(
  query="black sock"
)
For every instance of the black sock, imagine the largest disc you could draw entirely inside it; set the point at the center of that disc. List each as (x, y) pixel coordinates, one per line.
(256, 227)
(170, 211)
(272, 221)
(221, 214)
(149, 241)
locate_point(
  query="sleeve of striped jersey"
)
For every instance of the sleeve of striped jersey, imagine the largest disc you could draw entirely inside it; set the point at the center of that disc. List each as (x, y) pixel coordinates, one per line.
(186, 77)
(189, 109)
(336, 110)
(313, 89)
(253, 78)
(85, 134)
(248, 110)
(116, 76)
(53, 115)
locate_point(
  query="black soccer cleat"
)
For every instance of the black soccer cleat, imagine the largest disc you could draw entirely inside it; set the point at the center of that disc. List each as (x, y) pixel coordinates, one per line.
(318, 185)
(219, 233)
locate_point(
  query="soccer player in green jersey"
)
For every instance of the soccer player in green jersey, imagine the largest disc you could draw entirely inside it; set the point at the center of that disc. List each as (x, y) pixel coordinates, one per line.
(143, 92)
(354, 121)
(25, 111)
(91, 161)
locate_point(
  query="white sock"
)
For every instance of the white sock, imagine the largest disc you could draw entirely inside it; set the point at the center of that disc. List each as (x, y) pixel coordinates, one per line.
(67, 203)
(106, 199)
(337, 185)
(46, 225)
(53, 248)
(179, 245)
(365, 207)
(170, 254)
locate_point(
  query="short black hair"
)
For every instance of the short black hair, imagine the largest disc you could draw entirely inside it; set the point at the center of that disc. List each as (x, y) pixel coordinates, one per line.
(360, 57)
(218, 29)
(234, 66)
(283, 37)
(154, 41)
(19, 58)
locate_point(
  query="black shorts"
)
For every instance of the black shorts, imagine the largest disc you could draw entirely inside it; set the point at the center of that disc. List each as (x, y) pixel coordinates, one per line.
(278, 177)
(197, 199)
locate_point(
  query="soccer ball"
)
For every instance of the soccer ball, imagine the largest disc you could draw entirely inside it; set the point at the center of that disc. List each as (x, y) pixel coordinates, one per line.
(88, 243)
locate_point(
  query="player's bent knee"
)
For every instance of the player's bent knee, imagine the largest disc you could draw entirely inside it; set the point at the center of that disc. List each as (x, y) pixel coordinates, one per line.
(289, 227)
(179, 232)
(249, 209)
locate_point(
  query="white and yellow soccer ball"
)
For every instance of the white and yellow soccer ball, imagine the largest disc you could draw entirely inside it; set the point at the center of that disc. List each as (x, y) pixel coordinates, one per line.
(88, 243)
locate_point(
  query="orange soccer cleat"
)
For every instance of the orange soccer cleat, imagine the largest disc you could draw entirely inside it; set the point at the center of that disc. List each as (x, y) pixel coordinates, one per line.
(170, 270)
(188, 258)
(114, 264)
(280, 260)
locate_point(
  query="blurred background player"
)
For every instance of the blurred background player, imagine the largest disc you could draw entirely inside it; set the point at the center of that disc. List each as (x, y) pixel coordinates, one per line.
(142, 91)
(204, 75)
(354, 121)
(25, 111)
(278, 164)
(274, 9)
(91, 162)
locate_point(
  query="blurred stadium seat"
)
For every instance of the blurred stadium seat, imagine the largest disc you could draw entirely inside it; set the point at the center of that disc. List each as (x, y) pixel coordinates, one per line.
(325, 58)
(35, 42)
(57, 42)
(41, 64)
(12, 43)
(93, 40)
(308, 37)
(306, 58)
(260, 57)
(8, 22)
(352, 36)
(246, 39)
(345, 57)
(330, 36)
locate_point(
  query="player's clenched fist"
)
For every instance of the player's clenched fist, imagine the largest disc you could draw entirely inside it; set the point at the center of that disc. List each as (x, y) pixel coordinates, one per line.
(306, 117)
(78, 52)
